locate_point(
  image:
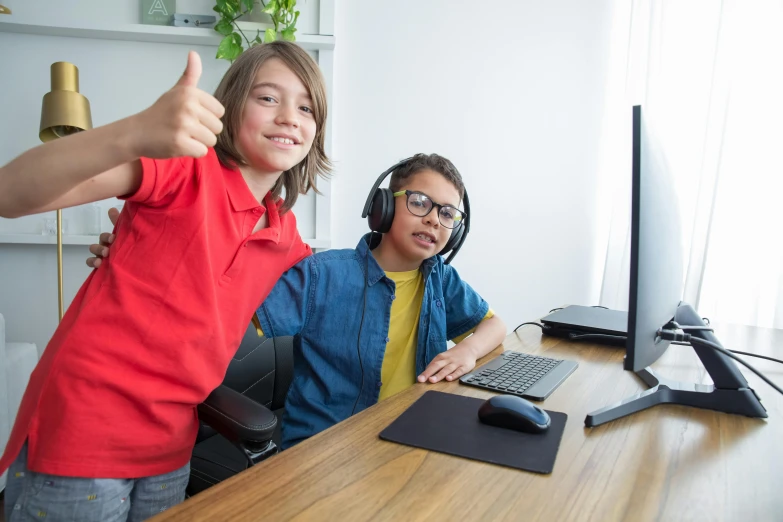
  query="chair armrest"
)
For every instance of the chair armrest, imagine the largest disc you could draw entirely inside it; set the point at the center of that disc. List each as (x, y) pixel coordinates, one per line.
(238, 418)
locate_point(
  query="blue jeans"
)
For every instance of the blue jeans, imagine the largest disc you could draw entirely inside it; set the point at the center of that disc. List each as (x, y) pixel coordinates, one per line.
(38, 496)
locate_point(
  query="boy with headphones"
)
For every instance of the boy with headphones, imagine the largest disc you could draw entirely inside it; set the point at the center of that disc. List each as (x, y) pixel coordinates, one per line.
(371, 321)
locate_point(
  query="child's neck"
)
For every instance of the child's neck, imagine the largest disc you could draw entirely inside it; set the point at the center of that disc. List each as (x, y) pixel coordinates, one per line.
(259, 183)
(390, 259)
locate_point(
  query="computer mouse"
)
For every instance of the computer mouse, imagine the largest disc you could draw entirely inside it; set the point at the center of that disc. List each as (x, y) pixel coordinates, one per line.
(514, 413)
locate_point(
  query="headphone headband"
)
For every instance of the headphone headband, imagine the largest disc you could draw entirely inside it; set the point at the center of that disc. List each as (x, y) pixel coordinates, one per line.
(459, 233)
(378, 184)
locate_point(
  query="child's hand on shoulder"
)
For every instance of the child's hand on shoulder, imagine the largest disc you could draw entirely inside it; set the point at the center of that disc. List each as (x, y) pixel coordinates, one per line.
(185, 121)
(451, 364)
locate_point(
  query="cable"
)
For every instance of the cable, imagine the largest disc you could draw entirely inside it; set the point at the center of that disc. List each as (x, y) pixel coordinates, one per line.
(686, 328)
(576, 337)
(757, 355)
(523, 324)
(358, 337)
(670, 335)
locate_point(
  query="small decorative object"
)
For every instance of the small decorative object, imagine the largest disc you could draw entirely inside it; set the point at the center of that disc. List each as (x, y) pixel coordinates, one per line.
(157, 12)
(282, 13)
(190, 20)
(50, 226)
(4, 10)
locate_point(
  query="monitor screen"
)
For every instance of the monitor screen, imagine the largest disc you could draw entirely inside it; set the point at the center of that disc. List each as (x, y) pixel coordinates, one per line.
(656, 271)
(655, 299)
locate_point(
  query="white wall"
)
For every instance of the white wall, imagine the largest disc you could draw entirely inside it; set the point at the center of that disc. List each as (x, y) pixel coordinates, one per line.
(512, 92)
(119, 78)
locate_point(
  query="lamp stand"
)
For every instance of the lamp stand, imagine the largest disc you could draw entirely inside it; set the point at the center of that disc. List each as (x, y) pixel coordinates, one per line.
(63, 112)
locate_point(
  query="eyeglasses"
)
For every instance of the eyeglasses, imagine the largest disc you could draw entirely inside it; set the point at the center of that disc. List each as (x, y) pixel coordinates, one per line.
(420, 205)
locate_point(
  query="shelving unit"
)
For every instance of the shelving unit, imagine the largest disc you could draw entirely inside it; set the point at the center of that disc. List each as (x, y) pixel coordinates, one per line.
(148, 33)
(322, 44)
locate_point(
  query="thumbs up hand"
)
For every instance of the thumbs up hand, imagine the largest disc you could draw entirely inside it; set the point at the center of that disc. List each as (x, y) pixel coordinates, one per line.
(185, 121)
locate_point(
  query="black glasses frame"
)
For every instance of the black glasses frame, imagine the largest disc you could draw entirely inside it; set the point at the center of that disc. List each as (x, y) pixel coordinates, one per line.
(459, 216)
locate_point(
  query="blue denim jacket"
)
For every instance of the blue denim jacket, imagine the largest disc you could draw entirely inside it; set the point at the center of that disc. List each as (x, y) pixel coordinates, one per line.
(322, 302)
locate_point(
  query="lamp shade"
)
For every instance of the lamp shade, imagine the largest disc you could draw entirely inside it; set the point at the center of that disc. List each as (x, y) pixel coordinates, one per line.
(64, 110)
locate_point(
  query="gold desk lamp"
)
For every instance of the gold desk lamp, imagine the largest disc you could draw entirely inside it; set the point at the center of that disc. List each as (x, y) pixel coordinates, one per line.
(64, 111)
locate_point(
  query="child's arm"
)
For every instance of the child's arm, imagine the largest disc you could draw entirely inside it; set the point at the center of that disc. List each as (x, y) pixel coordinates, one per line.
(104, 162)
(466, 312)
(285, 310)
(461, 359)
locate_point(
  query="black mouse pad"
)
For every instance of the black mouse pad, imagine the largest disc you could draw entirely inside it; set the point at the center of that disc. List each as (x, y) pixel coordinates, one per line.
(449, 423)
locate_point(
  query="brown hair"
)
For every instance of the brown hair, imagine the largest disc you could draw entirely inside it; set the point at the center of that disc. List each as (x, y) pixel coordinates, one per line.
(421, 162)
(233, 92)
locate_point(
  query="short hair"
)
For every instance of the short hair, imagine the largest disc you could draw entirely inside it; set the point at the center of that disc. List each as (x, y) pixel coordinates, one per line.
(421, 162)
(233, 91)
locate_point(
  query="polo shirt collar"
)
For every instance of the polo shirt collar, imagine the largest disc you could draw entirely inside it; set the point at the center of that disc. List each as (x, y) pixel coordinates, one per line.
(238, 191)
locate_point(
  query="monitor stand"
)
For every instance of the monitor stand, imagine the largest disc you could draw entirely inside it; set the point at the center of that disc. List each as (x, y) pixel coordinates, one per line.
(729, 394)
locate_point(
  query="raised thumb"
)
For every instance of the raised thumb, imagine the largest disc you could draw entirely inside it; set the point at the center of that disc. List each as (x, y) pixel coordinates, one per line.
(192, 72)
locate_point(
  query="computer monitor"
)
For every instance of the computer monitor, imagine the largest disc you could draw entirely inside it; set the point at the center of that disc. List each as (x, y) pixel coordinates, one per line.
(655, 292)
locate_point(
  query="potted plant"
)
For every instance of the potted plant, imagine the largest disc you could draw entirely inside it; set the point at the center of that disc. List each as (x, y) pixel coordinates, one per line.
(281, 12)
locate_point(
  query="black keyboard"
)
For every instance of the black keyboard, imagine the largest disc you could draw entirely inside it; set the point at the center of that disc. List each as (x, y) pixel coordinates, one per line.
(515, 373)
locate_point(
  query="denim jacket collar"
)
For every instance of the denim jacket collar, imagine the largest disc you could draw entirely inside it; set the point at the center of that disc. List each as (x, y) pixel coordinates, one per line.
(373, 270)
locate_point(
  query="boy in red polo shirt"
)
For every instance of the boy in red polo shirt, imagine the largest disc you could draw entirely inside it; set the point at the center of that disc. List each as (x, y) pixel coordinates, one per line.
(108, 420)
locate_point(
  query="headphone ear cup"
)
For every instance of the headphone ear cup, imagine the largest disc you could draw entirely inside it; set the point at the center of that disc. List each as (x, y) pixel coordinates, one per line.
(454, 238)
(381, 212)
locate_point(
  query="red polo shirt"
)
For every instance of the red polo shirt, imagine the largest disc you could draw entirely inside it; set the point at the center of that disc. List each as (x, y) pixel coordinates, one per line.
(151, 332)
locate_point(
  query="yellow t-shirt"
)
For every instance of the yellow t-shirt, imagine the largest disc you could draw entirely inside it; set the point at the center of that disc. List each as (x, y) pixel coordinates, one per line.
(398, 370)
(399, 363)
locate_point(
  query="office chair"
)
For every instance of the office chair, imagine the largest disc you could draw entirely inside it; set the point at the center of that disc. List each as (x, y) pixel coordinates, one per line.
(240, 420)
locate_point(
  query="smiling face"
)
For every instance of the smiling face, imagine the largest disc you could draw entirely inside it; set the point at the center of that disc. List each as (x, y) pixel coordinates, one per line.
(412, 239)
(278, 124)
(274, 125)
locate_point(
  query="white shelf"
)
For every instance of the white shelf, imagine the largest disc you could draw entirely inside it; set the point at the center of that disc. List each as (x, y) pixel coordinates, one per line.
(148, 33)
(37, 239)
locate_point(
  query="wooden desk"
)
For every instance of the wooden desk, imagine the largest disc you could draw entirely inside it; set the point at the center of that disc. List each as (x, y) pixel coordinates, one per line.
(666, 463)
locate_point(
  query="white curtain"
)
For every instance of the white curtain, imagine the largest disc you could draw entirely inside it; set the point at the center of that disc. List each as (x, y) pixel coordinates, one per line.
(710, 75)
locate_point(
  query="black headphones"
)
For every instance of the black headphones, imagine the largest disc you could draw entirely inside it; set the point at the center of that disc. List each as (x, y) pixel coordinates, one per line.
(379, 211)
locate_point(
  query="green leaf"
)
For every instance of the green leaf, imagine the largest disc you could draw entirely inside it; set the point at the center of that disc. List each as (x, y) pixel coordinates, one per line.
(230, 47)
(248, 5)
(223, 7)
(224, 27)
(288, 34)
(271, 7)
(270, 35)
